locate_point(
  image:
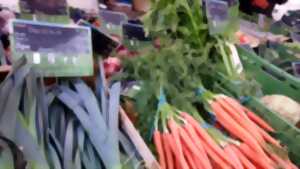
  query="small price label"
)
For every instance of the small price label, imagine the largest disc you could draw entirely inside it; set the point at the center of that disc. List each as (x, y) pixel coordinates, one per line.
(217, 14)
(134, 31)
(135, 36)
(232, 2)
(296, 69)
(103, 43)
(115, 18)
(295, 36)
(112, 22)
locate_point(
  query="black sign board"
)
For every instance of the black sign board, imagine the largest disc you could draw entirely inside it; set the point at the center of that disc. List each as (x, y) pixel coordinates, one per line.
(47, 7)
(115, 18)
(103, 44)
(45, 39)
(295, 36)
(112, 22)
(134, 31)
(57, 50)
(296, 68)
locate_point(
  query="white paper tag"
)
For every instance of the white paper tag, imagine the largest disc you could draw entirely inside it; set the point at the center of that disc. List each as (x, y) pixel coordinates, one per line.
(74, 60)
(131, 42)
(51, 58)
(65, 59)
(108, 26)
(36, 58)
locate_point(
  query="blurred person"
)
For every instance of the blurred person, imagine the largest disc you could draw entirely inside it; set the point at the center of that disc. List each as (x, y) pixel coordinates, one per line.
(5, 17)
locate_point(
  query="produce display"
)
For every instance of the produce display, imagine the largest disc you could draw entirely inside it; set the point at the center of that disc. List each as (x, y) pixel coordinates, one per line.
(189, 143)
(179, 89)
(188, 61)
(65, 125)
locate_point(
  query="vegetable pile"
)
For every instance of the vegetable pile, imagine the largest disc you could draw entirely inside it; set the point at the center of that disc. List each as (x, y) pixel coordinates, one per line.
(67, 125)
(62, 126)
(188, 58)
(187, 143)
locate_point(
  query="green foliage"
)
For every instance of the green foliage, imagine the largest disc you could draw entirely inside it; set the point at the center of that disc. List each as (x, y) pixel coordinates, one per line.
(187, 59)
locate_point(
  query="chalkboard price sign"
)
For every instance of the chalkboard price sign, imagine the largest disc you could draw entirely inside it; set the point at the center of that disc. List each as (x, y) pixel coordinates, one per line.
(103, 43)
(55, 11)
(112, 22)
(217, 14)
(296, 69)
(55, 49)
(47, 7)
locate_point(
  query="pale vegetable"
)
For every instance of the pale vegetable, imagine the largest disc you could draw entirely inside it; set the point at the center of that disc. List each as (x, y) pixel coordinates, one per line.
(285, 106)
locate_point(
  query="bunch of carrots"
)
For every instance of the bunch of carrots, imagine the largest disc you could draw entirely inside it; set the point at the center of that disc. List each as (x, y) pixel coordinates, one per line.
(186, 143)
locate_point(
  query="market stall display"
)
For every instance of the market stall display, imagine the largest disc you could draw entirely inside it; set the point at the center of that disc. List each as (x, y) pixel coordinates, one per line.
(179, 88)
(53, 125)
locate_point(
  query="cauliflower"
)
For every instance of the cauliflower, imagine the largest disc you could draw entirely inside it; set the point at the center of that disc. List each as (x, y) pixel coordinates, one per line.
(284, 106)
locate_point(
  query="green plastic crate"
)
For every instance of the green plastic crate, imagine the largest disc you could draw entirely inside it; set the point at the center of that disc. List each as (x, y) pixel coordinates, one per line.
(273, 79)
(288, 134)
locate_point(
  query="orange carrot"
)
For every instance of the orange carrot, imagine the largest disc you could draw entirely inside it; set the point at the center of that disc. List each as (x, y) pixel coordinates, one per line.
(245, 113)
(216, 159)
(246, 150)
(236, 105)
(168, 151)
(280, 162)
(190, 158)
(203, 135)
(293, 166)
(175, 152)
(246, 163)
(197, 162)
(201, 156)
(229, 151)
(159, 148)
(243, 122)
(196, 140)
(236, 130)
(177, 164)
(268, 138)
(260, 122)
(175, 133)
